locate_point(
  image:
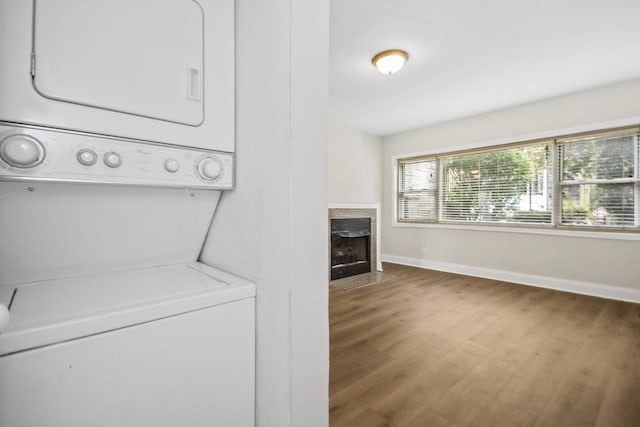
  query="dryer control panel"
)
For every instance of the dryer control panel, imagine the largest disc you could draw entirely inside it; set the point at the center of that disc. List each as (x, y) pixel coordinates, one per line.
(42, 154)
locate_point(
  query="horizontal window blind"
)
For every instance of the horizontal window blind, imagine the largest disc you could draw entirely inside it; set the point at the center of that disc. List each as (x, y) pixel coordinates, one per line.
(503, 185)
(589, 181)
(417, 186)
(599, 180)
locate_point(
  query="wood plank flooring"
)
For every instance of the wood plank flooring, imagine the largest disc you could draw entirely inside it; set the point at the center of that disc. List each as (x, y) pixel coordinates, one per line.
(428, 348)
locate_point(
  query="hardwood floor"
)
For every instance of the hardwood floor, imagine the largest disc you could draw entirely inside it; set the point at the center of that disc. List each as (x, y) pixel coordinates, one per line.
(427, 348)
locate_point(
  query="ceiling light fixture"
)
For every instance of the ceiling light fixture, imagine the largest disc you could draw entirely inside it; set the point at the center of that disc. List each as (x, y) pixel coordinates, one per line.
(390, 61)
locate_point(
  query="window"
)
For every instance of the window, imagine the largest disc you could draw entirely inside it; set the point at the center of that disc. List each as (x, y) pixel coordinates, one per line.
(588, 181)
(599, 180)
(497, 186)
(417, 190)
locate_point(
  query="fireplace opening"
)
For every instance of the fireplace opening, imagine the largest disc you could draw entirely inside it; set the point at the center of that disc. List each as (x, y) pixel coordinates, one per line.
(350, 247)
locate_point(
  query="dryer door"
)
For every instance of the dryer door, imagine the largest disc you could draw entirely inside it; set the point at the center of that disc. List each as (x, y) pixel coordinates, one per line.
(141, 57)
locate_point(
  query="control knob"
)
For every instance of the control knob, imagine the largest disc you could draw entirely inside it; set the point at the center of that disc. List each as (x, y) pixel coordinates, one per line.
(21, 151)
(209, 168)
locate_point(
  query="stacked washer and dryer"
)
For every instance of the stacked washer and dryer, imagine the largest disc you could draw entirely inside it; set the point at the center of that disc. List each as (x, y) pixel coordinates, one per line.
(116, 142)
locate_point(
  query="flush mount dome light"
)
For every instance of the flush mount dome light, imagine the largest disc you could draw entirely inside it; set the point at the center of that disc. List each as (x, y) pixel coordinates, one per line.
(390, 61)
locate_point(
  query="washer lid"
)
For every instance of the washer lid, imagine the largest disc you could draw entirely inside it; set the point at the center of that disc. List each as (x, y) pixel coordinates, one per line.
(141, 57)
(52, 311)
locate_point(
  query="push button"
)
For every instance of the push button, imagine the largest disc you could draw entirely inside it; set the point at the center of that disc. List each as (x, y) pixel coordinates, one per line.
(171, 165)
(87, 157)
(112, 159)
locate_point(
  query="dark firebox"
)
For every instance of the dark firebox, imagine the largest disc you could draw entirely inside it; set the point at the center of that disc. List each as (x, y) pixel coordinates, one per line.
(350, 247)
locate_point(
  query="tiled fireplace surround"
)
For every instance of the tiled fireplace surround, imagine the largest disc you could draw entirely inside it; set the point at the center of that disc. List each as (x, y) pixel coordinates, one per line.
(355, 211)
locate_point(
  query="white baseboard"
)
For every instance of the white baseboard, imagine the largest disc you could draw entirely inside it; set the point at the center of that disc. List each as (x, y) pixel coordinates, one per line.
(575, 286)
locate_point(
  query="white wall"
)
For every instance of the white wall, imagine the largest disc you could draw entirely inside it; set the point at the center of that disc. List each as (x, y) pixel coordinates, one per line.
(577, 262)
(355, 162)
(272, 228)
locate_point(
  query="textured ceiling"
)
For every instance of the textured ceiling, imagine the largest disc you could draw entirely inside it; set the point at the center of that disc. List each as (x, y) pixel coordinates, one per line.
(473, 56)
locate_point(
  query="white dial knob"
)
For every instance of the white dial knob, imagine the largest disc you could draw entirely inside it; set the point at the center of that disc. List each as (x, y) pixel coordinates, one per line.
(87, 157)
(21, 151)
(209, 168)
(112, 159)
(171, 165)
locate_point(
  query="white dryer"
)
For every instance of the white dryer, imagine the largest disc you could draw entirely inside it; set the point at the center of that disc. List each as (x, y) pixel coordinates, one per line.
(154, 70)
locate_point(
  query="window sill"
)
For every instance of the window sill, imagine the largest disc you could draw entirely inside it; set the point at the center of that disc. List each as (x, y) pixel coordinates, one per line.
(596, 234)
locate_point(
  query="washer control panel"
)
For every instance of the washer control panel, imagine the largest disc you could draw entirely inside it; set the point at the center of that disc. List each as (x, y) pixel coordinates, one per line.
(30, 153)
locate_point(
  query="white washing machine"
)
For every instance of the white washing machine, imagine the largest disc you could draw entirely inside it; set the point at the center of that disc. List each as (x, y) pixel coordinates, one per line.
(112, 321)
(159, 346)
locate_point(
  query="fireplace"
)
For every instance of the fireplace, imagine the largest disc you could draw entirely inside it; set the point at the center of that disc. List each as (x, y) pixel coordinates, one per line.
(350, 247)
(355, 249)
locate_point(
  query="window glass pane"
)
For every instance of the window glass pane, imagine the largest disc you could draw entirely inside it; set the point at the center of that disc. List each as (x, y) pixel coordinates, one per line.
(506, 185)
(603, 158)
(417, 185)
(417, 206)
(418, 175)
(598, 205)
